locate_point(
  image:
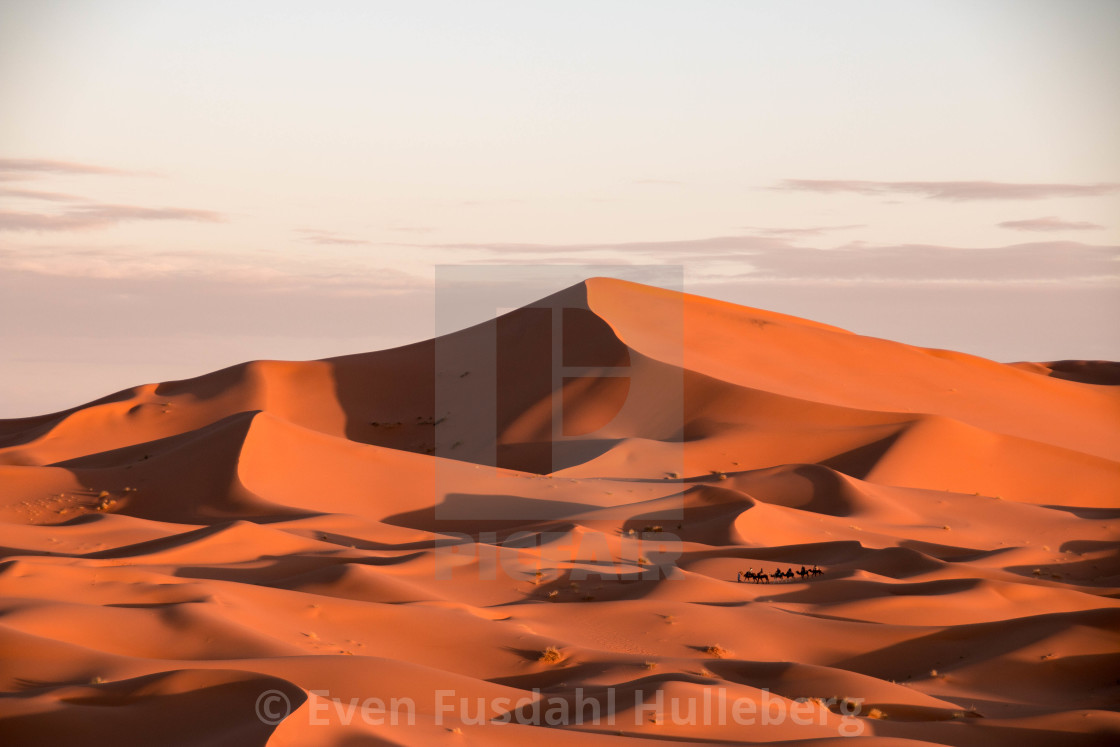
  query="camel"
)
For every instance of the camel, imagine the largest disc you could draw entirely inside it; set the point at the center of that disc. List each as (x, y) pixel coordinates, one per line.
(763, 578)
(756, 577)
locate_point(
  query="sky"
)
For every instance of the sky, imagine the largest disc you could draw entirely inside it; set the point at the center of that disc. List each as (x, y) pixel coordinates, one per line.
(188, 185)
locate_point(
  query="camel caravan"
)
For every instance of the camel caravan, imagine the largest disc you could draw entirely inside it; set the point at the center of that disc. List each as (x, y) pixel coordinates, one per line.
(778, 575)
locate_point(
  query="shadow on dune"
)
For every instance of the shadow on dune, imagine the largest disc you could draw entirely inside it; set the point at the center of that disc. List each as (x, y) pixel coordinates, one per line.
(955, 553)
(1100, 572)
(555, 675)
(267, 570)
(1085, 546)
(1103, 373)
(949, 732)
(544, 457)
(859, 462)
(1091, 513)
(182, 707)
(852, 590)
(460, 512)
(808, 487)
(970, 643)
(831, 553)
(19, 431)
(509, 370)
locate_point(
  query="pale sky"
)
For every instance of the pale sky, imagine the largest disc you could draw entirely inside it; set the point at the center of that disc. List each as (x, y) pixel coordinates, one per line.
(188, 185)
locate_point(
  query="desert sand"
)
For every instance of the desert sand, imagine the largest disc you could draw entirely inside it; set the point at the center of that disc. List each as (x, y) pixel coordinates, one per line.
(270, 553)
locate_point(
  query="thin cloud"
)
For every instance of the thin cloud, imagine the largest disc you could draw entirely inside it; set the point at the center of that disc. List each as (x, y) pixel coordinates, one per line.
(79, 213)
(811, 231)
(778, 259)
(131, 212)
(90, 216)
(661, 182)
(412, 229)
(327, 238)
(719, 245)
(265, 273)
(575, 261)
(1057, 261)
(485, 203)
(32, 166)
(37, 194)
(1049, 223)
(951, 191)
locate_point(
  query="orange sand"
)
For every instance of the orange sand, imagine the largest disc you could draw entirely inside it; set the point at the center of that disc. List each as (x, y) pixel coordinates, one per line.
(174, 551)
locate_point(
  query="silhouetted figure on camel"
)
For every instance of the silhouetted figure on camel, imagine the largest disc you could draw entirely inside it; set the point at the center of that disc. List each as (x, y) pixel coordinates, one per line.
(758, 578)
(763, 578)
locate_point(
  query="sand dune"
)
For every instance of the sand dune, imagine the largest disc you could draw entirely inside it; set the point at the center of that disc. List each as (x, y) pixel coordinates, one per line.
(249, 556)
